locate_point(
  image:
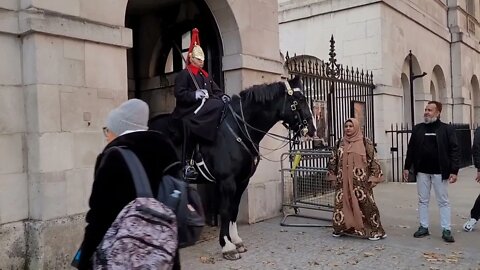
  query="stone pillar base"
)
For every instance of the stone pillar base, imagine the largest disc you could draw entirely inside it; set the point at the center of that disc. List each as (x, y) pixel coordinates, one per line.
(13, 248)
(52, 244)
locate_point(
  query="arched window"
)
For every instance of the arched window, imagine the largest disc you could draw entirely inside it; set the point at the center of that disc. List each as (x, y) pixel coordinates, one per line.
(471, 7)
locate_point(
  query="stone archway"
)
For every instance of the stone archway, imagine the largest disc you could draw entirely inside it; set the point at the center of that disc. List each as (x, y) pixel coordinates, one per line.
(406, 99)
(418, 90)
(433, 90)
(438, 79)
(161, 36)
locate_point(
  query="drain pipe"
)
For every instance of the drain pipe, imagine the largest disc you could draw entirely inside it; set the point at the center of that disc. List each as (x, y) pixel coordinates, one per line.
(451, 72)
(452, 34)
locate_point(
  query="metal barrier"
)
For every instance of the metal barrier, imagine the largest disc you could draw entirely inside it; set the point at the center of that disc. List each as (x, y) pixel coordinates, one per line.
(305, 186)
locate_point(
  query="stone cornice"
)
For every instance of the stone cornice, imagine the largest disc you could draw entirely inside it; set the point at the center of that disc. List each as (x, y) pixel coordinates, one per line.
(245, 61)
(293, 12)
(29, 21)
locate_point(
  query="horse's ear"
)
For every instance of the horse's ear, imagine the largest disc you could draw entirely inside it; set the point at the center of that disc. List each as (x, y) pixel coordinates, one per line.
(296, 81)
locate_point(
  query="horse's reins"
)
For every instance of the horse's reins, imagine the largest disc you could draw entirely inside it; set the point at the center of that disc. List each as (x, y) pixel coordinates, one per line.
(246, 133)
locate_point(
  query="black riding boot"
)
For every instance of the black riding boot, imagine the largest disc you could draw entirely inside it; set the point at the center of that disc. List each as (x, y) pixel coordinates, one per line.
(188, 150)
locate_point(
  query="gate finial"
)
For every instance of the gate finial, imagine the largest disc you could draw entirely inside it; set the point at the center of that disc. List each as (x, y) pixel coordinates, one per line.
(332, 66)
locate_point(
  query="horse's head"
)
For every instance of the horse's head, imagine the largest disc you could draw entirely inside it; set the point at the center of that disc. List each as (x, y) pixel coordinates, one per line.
(296, 113)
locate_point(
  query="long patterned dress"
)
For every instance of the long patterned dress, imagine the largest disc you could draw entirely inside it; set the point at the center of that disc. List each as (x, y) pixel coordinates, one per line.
(362, 190)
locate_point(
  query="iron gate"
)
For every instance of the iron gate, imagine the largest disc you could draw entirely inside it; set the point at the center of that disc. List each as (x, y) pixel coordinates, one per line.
(338, 93)
(400, 136)
(335, 93)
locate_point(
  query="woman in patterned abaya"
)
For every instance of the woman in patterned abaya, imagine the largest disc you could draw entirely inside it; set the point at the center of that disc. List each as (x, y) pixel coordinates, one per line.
(355, 171)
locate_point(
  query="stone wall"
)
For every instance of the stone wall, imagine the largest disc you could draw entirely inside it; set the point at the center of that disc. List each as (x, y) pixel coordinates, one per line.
(62, 70)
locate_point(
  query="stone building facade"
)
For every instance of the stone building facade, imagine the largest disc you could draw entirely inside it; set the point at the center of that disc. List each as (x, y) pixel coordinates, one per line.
(65, 64)
(377, 35)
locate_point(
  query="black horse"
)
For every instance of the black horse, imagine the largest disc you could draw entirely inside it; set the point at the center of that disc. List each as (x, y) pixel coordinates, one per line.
(233, 157)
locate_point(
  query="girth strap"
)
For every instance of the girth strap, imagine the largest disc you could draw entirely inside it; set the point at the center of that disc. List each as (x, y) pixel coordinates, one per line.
(238, 139)
(202, 167)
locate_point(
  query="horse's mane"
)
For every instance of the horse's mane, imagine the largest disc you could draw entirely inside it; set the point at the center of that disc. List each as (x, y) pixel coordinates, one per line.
(262, 93)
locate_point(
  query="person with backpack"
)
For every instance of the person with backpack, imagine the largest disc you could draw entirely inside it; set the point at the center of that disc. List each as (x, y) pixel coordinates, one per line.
(355, 171)
(113, 187)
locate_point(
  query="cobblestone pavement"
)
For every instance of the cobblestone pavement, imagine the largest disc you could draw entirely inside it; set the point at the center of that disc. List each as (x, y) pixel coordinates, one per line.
(271, 246)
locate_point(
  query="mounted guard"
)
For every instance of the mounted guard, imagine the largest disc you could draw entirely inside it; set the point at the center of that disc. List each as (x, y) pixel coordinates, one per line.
(199, 104)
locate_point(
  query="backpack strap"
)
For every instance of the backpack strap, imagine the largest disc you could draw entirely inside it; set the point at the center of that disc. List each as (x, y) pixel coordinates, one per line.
(139, 176)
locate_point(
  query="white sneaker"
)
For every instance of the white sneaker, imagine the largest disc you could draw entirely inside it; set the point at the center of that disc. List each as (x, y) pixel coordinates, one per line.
(377, 237)
(468, 226)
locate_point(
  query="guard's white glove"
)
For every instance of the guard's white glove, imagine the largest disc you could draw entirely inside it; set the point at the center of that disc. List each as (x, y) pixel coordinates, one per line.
(201, 94)
(226, 98)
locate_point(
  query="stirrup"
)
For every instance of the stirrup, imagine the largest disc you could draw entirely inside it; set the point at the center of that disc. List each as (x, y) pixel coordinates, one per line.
(190, 173)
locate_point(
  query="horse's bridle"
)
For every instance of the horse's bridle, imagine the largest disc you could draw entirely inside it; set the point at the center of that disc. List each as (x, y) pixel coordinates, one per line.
(244, 130)
(303, 125)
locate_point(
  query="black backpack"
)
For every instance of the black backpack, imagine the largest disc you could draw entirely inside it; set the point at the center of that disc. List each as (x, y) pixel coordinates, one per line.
(186, 203)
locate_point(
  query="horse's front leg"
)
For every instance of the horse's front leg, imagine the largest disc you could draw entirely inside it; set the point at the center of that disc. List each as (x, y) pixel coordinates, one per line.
(233, 230)
(227, 191)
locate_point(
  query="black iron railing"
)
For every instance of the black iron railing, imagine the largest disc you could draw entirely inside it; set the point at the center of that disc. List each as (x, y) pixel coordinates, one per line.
(335, 93)
(400, 135)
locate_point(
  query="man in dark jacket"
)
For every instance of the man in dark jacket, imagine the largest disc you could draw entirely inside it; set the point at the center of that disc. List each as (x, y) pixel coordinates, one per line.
(475, 212)
(113, 186)
(434, 154)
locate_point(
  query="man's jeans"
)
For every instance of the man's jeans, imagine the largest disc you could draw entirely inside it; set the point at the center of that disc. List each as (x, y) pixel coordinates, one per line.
(424, 185)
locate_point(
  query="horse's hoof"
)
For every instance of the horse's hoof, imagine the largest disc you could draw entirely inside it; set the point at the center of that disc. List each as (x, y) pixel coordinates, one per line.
(231, 255)
(241, 248)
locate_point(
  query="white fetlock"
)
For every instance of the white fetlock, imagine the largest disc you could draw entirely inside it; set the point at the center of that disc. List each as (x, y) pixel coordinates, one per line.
(229, 246)
(232, 229)
(229, 251)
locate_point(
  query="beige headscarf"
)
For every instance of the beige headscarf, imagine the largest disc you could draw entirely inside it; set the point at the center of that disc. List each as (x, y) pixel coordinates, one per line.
(354, 156)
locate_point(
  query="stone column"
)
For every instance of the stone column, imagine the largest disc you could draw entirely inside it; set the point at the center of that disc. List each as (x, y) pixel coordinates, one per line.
(69, 58)
(249, 31)
(13, 163)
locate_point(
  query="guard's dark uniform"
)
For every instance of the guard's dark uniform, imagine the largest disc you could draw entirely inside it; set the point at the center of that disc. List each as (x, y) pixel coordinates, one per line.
(204, 123)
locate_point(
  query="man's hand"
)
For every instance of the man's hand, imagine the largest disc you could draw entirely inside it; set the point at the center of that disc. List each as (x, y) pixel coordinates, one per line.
(226, 98)
(478, 177)
(452, 179)
(201, 93)
(405, 175)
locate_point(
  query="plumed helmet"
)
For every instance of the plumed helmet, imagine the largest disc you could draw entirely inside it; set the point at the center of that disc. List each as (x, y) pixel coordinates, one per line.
(195, 50)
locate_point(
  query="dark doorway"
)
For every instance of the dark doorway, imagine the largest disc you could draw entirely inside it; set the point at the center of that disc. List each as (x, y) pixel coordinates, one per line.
(154, 60)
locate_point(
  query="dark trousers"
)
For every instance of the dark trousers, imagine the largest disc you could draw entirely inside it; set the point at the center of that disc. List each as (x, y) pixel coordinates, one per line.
(475, 212)
(176, 261)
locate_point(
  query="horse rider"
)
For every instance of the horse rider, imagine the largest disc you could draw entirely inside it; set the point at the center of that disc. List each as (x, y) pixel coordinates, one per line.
(199, 102)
